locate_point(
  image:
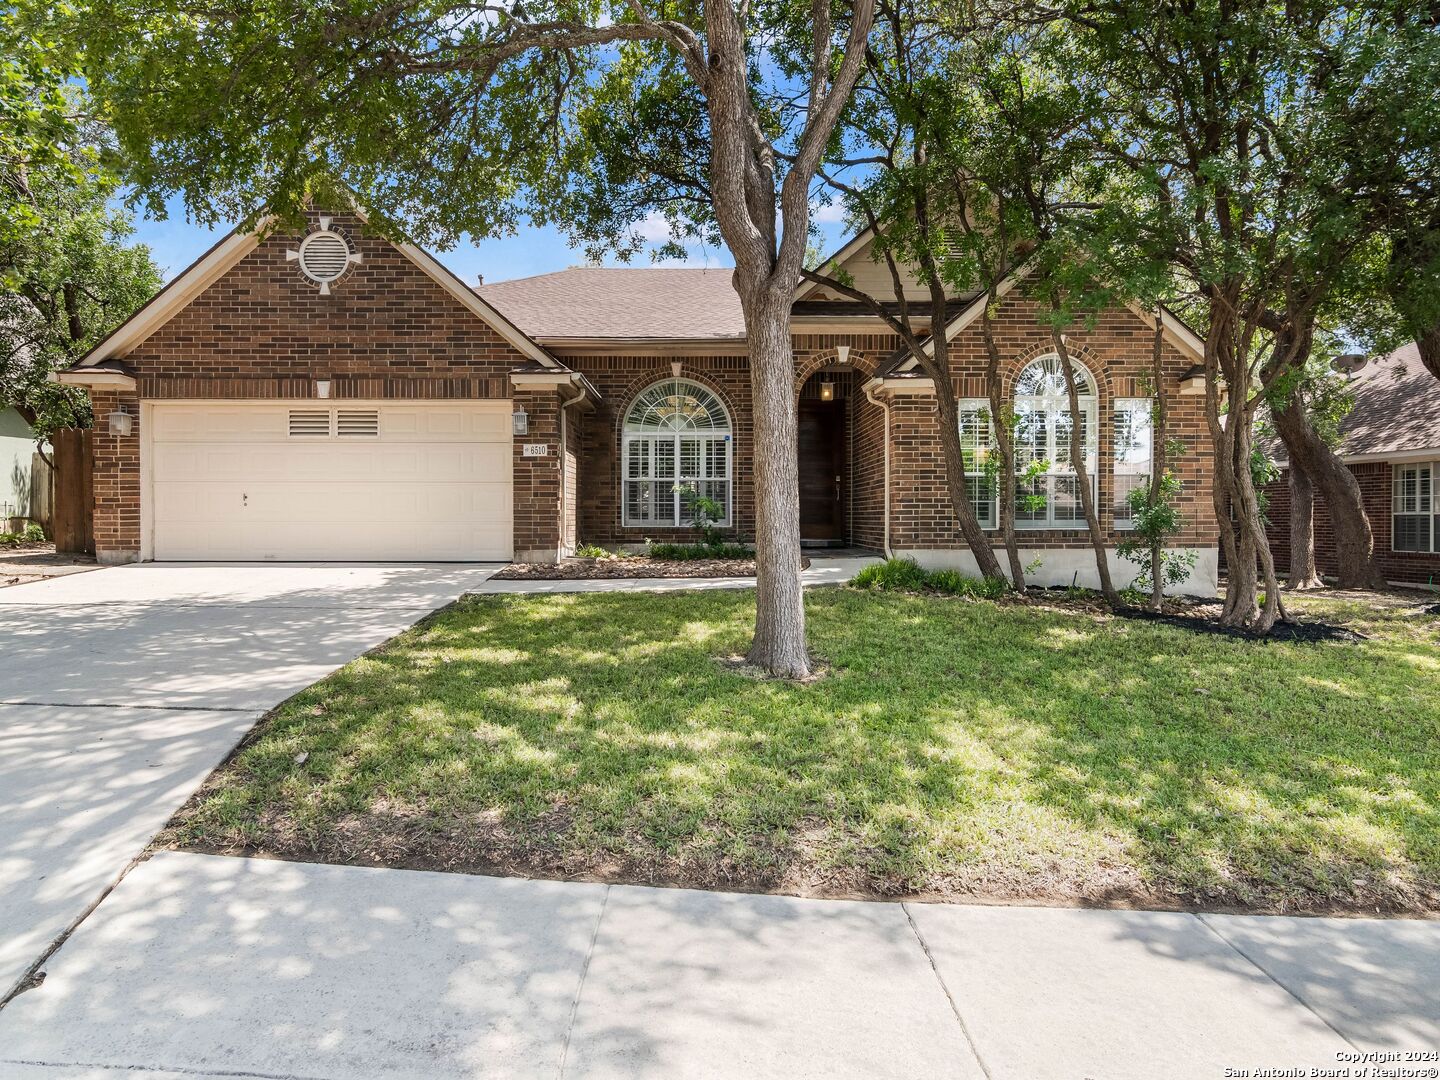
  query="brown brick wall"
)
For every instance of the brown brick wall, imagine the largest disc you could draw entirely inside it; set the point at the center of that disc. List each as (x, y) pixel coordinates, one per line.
(1374, 478)
(1117, 349)
(620, 378)
(116, 478)
(539, 500)
(387, 330)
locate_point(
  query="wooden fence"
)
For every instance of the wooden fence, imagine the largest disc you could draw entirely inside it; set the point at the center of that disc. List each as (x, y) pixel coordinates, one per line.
(74, 512)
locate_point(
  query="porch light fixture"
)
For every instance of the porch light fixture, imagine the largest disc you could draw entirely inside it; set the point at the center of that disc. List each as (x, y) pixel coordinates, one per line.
(842, 354)
(519, 421)
(827, 391)
(121, 422)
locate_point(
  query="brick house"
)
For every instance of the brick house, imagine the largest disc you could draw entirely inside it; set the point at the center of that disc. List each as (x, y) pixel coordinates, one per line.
(336, 396)
(1390, 441)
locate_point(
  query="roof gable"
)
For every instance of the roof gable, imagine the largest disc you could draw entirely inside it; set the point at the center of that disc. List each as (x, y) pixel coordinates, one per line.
(231, 250)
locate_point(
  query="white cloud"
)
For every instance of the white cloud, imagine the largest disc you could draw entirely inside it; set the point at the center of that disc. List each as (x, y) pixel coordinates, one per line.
(834, 214)
(654, 229)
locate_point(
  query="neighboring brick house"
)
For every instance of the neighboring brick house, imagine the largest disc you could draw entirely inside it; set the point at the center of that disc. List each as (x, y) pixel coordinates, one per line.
(336, 396)
(1390, 441)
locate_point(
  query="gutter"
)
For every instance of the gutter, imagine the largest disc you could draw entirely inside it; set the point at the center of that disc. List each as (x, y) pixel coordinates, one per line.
(869, 389)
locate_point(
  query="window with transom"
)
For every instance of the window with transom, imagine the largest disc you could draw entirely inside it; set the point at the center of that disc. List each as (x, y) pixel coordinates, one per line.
(676, 447)
(1048, 490)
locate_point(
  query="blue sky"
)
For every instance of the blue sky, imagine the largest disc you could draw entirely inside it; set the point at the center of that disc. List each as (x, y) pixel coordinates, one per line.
(175, 243)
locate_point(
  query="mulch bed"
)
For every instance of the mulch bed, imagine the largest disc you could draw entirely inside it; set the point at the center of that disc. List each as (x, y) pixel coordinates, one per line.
(1298, 630)
(639, 566)
(1198, 614)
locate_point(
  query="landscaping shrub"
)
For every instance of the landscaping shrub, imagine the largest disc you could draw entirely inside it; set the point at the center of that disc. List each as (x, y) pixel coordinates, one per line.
(595, 551)
(31, 534)
(906, 575)
(684, 552)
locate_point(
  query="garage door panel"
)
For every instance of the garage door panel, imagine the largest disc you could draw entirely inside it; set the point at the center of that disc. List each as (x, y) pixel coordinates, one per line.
(393, 462)
(442, 424)
(229, 482)
(211, 424)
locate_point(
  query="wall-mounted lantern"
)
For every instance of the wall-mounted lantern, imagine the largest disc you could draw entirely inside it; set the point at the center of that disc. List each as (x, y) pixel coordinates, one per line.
(519, 421)
(121, 422)
(827, 391)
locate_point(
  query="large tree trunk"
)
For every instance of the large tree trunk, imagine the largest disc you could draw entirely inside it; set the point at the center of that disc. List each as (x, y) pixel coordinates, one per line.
(1082, 475)
(779, 643)
(1429, 345)
(1303, 574)
(767, 266)
(1354, 540)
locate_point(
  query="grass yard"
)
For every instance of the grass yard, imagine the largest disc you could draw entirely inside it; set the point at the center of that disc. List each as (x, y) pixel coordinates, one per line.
(954, 748)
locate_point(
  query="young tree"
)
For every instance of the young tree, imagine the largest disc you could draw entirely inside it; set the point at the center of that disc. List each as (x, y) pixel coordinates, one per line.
(448, 118)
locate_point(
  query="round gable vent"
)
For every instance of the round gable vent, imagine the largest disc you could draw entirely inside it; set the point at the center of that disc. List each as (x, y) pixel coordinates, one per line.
(325, 256)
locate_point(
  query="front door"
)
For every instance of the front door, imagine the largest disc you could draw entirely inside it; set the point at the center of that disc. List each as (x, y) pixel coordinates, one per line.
(822, 468)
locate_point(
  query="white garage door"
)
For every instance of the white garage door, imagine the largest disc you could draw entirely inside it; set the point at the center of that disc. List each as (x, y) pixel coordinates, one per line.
(314, 481)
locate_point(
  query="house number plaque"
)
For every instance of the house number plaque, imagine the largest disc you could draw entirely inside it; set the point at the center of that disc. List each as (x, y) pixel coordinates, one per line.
(535, 449)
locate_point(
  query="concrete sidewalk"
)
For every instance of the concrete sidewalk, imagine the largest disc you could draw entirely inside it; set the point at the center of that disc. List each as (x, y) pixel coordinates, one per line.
(823, 570)
(206, 966)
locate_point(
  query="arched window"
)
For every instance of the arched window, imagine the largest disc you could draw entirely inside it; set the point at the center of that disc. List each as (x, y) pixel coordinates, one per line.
(1048, 494)
(676, 445)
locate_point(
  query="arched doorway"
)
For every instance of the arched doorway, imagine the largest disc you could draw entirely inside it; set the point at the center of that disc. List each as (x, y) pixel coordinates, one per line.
(826, 420)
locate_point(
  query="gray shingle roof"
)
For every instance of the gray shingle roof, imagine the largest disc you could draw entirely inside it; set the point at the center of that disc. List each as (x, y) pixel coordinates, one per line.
(625, 303)
(1397, 406)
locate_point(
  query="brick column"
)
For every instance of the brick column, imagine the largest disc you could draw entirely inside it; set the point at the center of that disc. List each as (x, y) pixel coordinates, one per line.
(539, 493)
(116, 478)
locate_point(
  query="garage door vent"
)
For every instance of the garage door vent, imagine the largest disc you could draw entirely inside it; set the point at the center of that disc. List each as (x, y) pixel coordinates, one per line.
(358, 423)
(309, 423)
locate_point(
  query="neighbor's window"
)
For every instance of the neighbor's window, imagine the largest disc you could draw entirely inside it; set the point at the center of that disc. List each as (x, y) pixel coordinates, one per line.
(676, 444)
(1134, 437)
(1047, 489)
(1415, 520)
(977, 444)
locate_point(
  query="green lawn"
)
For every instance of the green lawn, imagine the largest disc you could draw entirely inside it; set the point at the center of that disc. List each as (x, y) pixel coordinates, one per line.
(954, 747)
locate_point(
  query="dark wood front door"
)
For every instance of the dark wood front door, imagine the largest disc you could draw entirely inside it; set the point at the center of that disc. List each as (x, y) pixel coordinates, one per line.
(822, 468)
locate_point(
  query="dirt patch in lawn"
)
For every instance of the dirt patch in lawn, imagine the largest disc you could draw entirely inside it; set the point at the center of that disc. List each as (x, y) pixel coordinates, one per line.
(639, 566)
(796, 862)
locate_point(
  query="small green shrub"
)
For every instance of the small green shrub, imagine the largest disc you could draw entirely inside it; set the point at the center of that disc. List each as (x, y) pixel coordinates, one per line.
(901, 574)
(595, 551)
(32, 533)
(906, 575)
(686, 552)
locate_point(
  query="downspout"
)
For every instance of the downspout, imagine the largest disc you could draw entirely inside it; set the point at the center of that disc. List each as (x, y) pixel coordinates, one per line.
(564, 448)
(885, 407)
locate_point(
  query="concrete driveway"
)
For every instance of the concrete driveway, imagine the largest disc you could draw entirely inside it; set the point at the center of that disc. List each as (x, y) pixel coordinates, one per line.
(122, 688)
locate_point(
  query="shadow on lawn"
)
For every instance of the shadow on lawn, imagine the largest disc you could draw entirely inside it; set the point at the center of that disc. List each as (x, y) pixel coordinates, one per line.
(956, 749)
